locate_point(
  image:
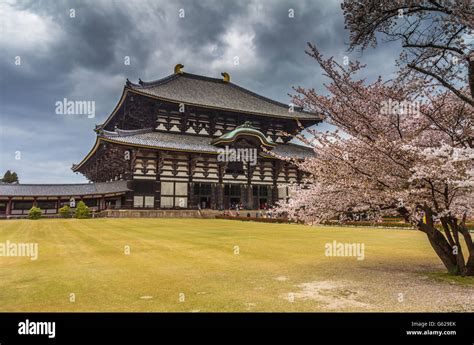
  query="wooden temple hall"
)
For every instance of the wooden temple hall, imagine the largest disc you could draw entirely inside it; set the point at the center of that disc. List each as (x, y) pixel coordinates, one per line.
(185, 141)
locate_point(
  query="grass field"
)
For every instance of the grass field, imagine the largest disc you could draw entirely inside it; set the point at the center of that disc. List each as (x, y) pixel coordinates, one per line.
(221, 265)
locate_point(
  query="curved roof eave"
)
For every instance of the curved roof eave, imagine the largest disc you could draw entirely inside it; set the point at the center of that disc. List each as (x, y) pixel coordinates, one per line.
(99, 139)
(138, 92)
(125, 90)
(76, 167)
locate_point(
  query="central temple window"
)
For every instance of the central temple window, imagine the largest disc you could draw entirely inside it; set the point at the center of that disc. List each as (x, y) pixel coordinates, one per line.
(174, 194)
(143, 201)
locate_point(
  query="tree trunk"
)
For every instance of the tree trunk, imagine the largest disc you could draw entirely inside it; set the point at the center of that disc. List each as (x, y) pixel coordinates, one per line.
(470, 247)
(443, 250)
(470, 265)
(454, 263)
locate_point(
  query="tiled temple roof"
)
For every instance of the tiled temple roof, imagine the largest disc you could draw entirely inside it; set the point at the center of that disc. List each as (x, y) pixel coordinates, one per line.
(32, 190)
(192, 143)
(216, 93)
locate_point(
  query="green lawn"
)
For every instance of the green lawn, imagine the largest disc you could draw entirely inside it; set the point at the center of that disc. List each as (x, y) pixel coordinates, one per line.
(279, 267)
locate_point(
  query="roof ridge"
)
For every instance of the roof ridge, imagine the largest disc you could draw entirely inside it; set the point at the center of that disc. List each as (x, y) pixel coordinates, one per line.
(145, 84)
(203, 77)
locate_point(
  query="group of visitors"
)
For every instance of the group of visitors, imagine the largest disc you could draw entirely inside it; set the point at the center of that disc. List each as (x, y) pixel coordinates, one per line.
(236, 208)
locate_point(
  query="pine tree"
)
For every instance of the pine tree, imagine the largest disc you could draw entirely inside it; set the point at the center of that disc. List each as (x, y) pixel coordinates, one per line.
(10, 177)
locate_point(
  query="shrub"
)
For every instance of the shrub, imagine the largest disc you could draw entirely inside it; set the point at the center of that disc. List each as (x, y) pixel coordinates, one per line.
(65, 211)
(34, 213)
(82, 211)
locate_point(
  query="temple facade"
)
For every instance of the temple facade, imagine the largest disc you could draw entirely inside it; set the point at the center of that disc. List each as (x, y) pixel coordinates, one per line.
(185, 141)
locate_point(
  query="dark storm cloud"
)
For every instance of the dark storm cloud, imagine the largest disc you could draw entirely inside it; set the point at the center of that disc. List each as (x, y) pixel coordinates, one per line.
(82, 58)
(284, 43)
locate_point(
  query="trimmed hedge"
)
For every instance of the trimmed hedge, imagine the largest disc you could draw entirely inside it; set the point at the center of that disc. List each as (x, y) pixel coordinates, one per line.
(65, 212)
(34, 213)
(82, 211)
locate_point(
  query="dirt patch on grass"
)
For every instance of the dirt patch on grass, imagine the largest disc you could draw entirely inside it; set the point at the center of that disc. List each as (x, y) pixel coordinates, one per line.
(415, 292)
(393, 291)
(331, 295)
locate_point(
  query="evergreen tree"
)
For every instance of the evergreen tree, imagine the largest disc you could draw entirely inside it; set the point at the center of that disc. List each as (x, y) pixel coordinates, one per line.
(10, 177)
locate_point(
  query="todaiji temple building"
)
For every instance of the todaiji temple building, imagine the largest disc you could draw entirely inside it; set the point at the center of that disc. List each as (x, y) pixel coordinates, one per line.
(178, 143)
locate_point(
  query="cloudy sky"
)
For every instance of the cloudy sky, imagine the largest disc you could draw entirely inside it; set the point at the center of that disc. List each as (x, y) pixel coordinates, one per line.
(51, 50)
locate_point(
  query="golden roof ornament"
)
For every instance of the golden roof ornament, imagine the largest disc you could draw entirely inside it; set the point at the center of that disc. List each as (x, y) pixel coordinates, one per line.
(226, 77)
(178, 69)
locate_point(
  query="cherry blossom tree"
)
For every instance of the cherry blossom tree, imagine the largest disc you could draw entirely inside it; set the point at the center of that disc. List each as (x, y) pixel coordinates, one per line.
(436, 36)
(404, 145)
(398, 146)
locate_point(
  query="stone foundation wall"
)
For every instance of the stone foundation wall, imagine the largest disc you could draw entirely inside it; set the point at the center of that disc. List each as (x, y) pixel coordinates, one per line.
(210, 214)
(130, 213)
(150, 214)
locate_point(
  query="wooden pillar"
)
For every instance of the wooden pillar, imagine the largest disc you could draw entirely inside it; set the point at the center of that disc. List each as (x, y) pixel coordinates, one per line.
(249, 197)
(243, 195)
(214, 196)
(192, 203)
(58, 204)
(157, 193)
(9, 206)
(250, 173)
(220, 196)
(270, 199)
(220, 186)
